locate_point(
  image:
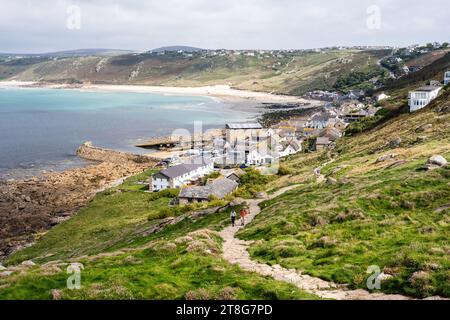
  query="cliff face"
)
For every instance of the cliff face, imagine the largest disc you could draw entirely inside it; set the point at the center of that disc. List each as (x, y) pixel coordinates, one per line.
(89, 152)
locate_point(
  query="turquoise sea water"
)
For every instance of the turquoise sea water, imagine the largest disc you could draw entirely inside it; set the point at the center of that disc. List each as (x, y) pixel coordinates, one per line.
(40, 129)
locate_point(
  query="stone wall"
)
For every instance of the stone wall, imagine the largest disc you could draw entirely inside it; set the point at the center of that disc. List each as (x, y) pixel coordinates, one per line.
(89, 152)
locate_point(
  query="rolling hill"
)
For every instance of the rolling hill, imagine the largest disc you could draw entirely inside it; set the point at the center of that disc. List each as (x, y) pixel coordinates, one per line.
(280, 72)
(177, 48)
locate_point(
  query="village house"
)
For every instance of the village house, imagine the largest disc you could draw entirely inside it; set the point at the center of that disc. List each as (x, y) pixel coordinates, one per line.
(422, 96)
(236, 132)
(259, 156)
(447, 78)
(354, 94)
(358, 115)
(288, 148)
(350, 106)
(177, 176)
(338, 124)
(331, 133)
(381, 96)
(235, 175)
(318, 121)
(321, 143)
(218, 189)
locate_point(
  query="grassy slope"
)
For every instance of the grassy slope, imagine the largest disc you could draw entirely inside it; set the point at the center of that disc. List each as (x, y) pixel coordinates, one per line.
(372, 216)
(291, 74)
(187, 268)
(182, 262)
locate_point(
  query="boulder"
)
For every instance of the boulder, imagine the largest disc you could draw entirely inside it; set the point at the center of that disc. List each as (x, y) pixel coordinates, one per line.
(386, 157)
(28, 263)
(395, 143)
(424, 128)
(237, 202)
(5, 273)
(418, 278)
(331, 181)
(383, 277)
(435, 162)
(438, 160)
(261, 195)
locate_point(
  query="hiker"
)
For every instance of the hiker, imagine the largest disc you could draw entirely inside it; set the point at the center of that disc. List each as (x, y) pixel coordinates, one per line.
(233, 217)
(243, 213)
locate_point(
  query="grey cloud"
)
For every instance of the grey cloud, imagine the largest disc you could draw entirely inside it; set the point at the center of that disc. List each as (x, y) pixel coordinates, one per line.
(35, 26)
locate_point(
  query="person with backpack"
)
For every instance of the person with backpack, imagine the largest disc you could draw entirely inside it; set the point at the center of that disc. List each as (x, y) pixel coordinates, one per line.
(242, 214)
(233, 217)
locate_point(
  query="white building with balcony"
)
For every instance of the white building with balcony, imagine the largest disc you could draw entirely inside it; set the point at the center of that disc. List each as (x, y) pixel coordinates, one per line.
(422, 96)
(447, 78)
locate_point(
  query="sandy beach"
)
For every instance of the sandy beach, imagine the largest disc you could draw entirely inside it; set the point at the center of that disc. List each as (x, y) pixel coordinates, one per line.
(222, 92)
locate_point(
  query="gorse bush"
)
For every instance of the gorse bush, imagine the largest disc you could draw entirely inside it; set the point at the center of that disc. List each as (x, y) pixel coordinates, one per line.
(167, 193)
(284, 170)
(252, 182)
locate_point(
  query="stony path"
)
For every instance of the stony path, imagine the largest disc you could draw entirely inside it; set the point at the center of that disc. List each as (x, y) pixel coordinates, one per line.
(235, 252)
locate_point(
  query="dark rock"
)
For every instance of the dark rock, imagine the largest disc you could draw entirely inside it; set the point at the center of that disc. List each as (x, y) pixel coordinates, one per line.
(424, 128)
(395, 143)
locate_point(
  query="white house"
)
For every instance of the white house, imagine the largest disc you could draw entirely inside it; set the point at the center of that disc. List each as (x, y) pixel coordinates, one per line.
(422, 96)
(177, 176)
(257, 157)
(447, 78)
(382, 96)
(288, 148)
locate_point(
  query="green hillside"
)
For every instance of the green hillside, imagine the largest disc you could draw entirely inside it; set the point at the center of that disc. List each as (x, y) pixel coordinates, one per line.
(283, 72)
(371, 210)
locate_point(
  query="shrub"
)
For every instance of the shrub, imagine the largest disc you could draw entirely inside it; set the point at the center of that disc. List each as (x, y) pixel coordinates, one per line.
(167, 193)
(252, 182)
(284, 171)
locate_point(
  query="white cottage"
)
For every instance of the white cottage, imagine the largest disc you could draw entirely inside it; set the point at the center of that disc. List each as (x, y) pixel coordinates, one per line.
(422, 96)
(289, 147)
(177, 176)
(257, 157)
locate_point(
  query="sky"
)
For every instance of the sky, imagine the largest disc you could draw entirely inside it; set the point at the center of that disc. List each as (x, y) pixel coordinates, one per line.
(32, 26)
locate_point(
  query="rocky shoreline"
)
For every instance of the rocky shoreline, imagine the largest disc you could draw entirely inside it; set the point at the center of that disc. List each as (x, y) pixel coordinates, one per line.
(29, 208)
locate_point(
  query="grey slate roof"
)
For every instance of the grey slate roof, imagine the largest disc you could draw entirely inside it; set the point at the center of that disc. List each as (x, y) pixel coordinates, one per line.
(427, 88)
(323, 140)
(293, 144)
(235, 126)
(219, 188)
(195, 193)
(181, 169)
(222, 187)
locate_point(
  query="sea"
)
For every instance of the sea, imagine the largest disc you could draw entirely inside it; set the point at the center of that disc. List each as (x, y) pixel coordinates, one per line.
(40, 129)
